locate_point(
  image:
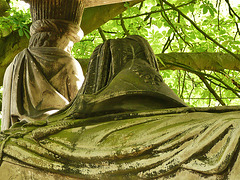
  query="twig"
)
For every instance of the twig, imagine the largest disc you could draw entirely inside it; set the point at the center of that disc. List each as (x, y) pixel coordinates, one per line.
(231, 10)
(193, 86)
(153, 12)
(167, 44)
(200, 30)
(212, 98)
(165, 16)
(236, 84)
(109, 32)
(211, 90)
(179, 80)
(183, 84)
(141, 5)
(123, 26)
(102, 34)
(219, 3)
(238, 31)
(203, 74)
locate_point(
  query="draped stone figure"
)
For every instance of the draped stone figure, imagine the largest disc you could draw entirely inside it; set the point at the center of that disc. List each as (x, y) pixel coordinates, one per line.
(44, 77)
(122, 76)
(123, 123)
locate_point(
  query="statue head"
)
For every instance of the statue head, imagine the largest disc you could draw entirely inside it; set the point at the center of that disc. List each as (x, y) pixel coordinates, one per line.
(56, 23)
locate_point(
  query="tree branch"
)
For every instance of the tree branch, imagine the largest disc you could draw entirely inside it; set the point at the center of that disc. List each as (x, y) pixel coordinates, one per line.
(102, 34)
(165, 16)
(231, 10)
(200, 61)
(200, 30)
(168, 43)
(153, 12)
(187, 68)
(211, 90)
(123, 26)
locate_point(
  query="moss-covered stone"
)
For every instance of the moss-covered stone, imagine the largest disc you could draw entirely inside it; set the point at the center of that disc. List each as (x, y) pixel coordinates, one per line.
(146, 144)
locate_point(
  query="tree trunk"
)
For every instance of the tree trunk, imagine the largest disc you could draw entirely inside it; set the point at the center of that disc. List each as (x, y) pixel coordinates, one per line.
(4, 6)
(10, 46)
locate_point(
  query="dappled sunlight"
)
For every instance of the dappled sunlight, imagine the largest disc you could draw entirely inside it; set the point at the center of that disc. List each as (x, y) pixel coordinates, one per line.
(20, 5)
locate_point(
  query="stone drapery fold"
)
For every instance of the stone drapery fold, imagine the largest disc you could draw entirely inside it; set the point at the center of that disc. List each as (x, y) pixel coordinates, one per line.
(59, 27)
(146, 144)
(38, 81)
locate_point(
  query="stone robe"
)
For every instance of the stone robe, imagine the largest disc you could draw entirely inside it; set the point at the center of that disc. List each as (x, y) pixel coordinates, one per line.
(177, 143)
(37, 83)
(122, 76)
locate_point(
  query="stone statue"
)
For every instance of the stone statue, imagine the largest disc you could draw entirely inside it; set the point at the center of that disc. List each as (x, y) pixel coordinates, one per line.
(44, 77)
(124, 123)
(122, 76)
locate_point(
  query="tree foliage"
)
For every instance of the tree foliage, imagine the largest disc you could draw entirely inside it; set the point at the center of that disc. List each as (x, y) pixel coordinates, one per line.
(184, 26)
(17, 19)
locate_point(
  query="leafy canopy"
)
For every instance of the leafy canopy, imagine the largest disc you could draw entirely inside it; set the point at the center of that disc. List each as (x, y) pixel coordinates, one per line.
(168, 31)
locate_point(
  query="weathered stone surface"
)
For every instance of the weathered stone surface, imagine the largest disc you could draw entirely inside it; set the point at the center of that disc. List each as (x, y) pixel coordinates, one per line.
(44, 78)
(92, 3)
(122, 76)
(10, 171)
(125, 122)
(166, 144)
(111, 130)
(38, 82)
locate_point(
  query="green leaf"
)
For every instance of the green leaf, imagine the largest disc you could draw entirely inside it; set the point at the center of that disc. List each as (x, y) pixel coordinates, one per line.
(126, 5)
(211, 12)
(191, 8)
(170, 31)
(154, 8)
(221, 32)
(26, 34)
(205, 10)
(20, 32)
(175, 90)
